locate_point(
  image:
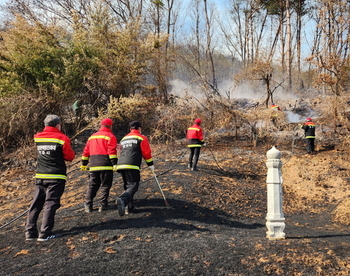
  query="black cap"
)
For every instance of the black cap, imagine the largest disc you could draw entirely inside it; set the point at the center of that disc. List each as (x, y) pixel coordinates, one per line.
(135, 125)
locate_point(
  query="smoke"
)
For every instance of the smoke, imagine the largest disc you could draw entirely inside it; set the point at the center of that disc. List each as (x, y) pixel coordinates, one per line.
(293, 117)
(182, 89)
(245, 91)
(228, 89)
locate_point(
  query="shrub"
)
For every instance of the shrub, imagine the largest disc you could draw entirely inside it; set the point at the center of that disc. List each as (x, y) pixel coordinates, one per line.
(22, 116)
(123, 110)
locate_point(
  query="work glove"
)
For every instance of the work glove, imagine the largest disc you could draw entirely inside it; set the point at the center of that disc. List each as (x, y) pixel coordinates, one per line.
(115, 168)
(205, 144)
(151, 168)
(83, 168)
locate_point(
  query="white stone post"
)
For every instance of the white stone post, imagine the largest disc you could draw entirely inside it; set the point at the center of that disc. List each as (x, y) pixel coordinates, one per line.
(274, 218)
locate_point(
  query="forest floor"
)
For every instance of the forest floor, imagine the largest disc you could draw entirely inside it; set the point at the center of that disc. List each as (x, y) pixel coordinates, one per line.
(215, 226)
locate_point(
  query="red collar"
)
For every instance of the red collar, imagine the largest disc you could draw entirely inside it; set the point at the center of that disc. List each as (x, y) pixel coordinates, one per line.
(135, 131)
(50, 129)
(105, 129)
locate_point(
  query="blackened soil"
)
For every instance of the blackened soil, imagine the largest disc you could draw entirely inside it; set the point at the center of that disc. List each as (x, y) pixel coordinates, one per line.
(215, 226)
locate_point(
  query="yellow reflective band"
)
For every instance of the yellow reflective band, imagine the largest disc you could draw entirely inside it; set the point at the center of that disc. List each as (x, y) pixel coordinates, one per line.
(128, 167)
(149, 160)
(85, 158)
(102, 168)
(112, 156)
(133, 137)
(100, 137)
(50, 140)
(50, 176)
(195, 146)
(310, 137)
(193, 128)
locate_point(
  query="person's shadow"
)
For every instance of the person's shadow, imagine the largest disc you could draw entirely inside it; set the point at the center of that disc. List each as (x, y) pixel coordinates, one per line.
(152, 213)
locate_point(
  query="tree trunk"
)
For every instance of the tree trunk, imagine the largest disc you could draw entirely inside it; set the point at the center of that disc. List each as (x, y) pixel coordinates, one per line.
(209, 50)
(289, 47)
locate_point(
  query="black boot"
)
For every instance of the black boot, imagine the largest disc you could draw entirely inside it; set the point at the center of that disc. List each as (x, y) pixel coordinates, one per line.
(120, 201)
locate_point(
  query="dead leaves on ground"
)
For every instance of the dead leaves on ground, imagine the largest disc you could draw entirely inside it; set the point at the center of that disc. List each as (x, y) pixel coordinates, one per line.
(22, 252)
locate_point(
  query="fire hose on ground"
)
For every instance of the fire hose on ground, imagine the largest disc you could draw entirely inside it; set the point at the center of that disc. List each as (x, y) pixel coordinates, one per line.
(26, 211)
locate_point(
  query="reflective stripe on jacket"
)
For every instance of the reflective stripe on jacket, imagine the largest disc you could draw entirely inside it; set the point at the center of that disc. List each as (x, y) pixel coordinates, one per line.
(275, 107)
(194, 136)
(134, 147)
(101, 150)
(54, 148)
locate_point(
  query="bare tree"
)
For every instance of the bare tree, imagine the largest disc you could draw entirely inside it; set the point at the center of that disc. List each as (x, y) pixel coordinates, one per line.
(199, 53)
(331, 47)
(301, 10)
(126, 10)
(244, 29)
(209, 49)
(260, 70)
(289, 46)
(198, 31)
(331, 55)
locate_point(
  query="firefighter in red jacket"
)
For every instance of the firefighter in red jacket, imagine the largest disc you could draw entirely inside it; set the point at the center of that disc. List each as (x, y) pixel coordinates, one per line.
(134, 148)
(54, 148)
(101, 152)
(275, 107)
(195, 141)
(310, 128)
(274, 116)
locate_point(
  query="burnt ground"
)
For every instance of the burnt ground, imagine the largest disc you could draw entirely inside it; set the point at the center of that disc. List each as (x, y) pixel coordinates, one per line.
(215, 226)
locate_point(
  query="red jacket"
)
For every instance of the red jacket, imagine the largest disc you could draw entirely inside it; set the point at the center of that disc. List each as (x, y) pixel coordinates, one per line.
(194, 136)
(101, 150)
(54, 148)
(134, 147)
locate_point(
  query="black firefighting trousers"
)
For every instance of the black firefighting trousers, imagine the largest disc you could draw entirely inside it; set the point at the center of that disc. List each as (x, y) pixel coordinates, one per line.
(48, 193)
(310, 145)
(194, 156)
(99, 180)
(131, 179)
